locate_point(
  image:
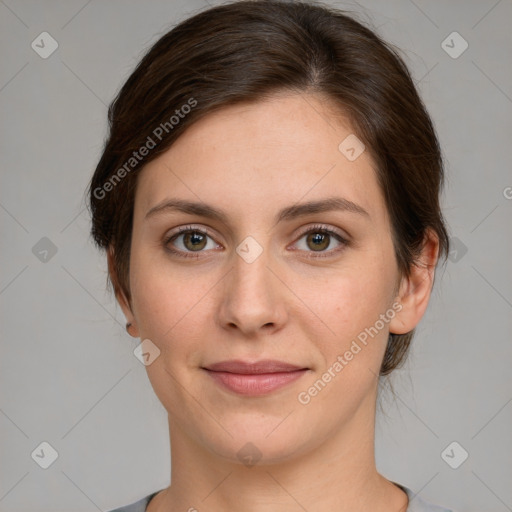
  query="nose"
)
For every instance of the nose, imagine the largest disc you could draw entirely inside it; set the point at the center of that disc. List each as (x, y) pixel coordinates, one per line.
(253, 299)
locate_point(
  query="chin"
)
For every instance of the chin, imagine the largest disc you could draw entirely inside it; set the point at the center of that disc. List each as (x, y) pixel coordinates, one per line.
(259, 439)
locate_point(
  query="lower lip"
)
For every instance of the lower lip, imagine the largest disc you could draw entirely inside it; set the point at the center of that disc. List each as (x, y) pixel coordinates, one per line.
(255, 384)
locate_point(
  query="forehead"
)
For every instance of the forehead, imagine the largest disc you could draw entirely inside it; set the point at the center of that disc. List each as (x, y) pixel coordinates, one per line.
(249, 157)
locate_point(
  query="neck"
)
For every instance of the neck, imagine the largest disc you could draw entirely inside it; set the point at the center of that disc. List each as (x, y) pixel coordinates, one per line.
(338, 474)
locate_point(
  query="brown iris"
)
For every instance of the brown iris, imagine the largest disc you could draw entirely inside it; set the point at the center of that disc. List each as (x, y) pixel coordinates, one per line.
(197, 241)
(320, 241)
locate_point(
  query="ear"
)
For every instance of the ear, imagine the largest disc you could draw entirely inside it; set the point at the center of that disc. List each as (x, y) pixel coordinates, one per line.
(414, 291)
(121, 296)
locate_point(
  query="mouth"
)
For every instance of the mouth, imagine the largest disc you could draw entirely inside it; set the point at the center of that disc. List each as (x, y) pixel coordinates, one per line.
(256, 378)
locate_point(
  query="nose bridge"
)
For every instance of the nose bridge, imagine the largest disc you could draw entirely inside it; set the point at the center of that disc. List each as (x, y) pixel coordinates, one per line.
(250, 277)
(250, 297)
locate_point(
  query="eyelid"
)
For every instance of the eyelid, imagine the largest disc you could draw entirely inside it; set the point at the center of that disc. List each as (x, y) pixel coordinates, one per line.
(190, 227)
(324, 227)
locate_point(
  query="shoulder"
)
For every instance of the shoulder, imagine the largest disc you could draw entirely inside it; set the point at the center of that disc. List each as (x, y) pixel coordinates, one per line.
(137, 506)
(417, 504)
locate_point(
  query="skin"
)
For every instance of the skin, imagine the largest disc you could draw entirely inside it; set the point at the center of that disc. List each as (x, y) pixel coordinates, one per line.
(250, 161)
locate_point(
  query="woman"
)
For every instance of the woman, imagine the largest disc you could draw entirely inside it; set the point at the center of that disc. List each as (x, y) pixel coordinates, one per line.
(268, 199)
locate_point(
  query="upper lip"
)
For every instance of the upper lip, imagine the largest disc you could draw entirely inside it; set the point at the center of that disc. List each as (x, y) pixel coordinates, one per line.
(245, 367)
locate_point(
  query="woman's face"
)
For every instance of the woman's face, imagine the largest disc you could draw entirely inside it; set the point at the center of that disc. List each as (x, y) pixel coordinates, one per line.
(259, 276)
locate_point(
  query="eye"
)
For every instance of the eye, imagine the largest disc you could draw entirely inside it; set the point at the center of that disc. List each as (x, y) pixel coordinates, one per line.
(318, 239)
(189, 240)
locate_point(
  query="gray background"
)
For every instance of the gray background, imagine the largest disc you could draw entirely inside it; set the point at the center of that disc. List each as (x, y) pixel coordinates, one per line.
(67, 369)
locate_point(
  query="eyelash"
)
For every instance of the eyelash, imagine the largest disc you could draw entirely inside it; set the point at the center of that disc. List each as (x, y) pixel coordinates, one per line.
(313, 229)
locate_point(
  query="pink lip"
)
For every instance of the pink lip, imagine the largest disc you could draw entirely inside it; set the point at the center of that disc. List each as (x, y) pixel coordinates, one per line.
(256, 378)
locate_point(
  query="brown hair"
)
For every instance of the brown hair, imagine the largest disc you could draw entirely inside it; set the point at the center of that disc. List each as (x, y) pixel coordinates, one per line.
(246, 51)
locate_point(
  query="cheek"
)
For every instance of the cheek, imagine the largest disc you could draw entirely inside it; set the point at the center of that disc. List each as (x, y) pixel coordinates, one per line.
(350, 359)
(170, 309)
(347, 307)
(162, 295)
(348, 301)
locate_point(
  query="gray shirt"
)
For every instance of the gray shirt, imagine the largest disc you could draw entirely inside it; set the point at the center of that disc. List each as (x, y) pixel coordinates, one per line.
(416, 504)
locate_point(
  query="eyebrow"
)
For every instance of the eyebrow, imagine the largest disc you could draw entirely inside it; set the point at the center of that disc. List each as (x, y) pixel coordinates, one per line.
(288, 213)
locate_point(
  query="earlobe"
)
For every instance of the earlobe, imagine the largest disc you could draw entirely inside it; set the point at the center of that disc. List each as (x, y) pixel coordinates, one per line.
(131, 326)
(415, 289)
